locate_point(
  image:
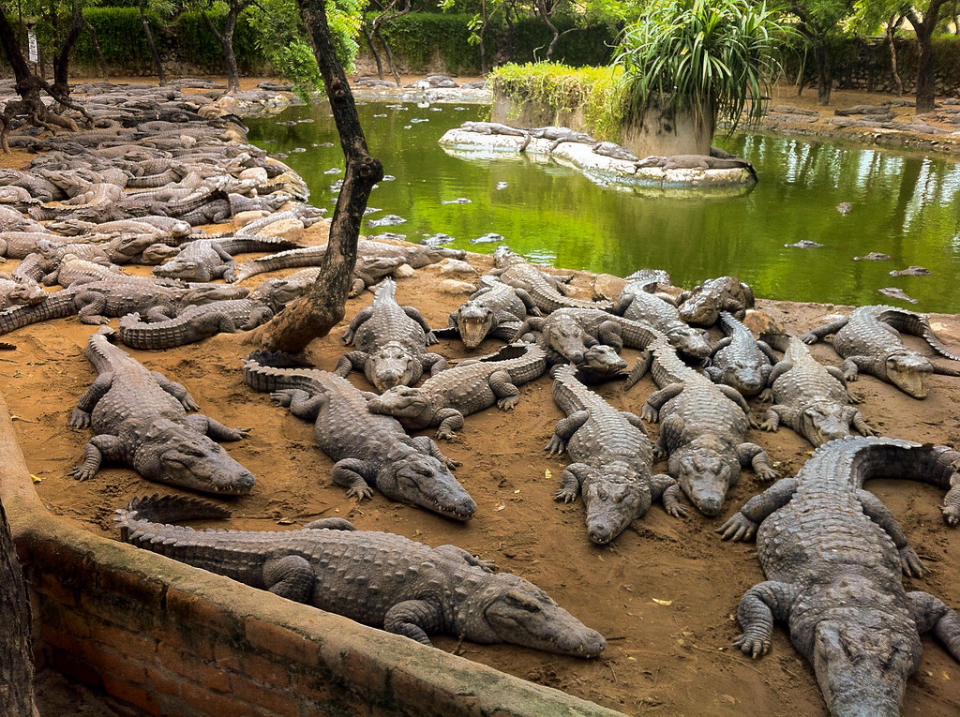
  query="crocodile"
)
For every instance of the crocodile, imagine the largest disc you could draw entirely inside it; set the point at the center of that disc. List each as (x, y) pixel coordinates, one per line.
(638, 304)
(558, 332)
(702, 425)
(416, 255)
(94, 302)
(207, 259)
(495, 309)
(364, 446)
(809, 397)
(470, 386)
(612, 460)
(139, 418)
(380, 579)
(16, 293)
(544, 289)
(869, 341)
(832, 554)
(702, 305)
(739, 360)
(391, 342)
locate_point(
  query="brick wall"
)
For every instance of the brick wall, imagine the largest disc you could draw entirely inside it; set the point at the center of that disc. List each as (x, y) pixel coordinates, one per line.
(164, 638)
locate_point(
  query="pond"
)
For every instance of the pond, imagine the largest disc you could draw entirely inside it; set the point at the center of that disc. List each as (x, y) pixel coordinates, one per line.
(906, 206)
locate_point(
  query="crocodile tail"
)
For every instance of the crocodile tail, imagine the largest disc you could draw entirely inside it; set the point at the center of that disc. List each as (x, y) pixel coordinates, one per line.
(776, 340)
(165, 509)
(916, 324)
(386, 290)
(139, 334)
(268, 371)
(54, 307)
(728, 323)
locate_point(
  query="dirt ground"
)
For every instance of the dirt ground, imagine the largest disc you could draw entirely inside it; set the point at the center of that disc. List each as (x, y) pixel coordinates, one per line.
(664, 593)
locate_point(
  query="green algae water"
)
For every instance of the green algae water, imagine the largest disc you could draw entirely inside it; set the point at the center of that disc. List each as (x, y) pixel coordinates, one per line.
(906, 206)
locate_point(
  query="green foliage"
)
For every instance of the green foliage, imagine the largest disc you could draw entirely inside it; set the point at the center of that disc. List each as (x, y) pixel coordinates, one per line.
(597, 91)
(417, 36)
(706, 58)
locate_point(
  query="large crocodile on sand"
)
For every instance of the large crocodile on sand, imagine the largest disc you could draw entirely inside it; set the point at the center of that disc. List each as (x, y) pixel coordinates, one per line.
(139, 418)
(612, 460)
(833, 555)
(379, 579)
(546, 290)
(495, 309)
(739, 360)
(702, 425)
(702, 305)
(368, 450)
(470, 386)
(809, 397)
(869, 341)
(391, 342)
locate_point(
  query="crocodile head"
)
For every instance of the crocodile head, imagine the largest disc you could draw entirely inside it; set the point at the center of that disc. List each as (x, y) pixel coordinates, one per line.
(746, 378)
(705, 468)
(214, 292)
(862, 655)
(823, 421)
(600, 363)
(26, 294)
(564, 335)
(172, 453)
(425, 481)
(701, 309)
(278, 292)
(504, 256)
(131, 246)
(613, 498)
(507, 608)
(474, 322)
(392, 365)
(689, 341)
(180, 267)
(404, 402)
(908, 371)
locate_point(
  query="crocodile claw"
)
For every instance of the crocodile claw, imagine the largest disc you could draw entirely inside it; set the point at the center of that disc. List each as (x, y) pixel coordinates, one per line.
(951, 515)
(81, 473)
(738, 528)
(506, 404)
(556, 446)
(910, 562)
(79, 418)
(809, 338)
(360, 492)
(188, 403)
(649, 413)
(754, 646)
(677, 511)
(770, 425)
(564, 496)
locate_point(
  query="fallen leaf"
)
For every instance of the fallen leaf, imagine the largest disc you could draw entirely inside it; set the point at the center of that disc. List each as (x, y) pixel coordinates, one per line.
(501, 507)
(37, 479)
(632, 659)
(945, 676)
(516, 491)
(729, 699)
(547, 474)
(662, 602)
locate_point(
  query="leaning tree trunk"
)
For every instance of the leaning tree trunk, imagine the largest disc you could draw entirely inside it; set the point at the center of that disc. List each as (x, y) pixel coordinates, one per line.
(389, 53)
(154, 52)
(323, 308)
(225, 38)
(94, 40)
(373, 50)
(61, 61)
(16, 657)
(889, 31)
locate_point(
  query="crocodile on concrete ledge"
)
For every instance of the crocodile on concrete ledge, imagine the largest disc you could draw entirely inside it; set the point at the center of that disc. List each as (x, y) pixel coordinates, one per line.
(612, 459)
(809, 397)
(833, 555)
(364, 446)
(869, 341)
(470, 386)
(379, 579)
(702, 425)
(139, 419)
(391, 342)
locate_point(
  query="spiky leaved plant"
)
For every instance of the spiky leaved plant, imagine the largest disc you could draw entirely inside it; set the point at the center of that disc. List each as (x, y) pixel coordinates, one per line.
(706, 58)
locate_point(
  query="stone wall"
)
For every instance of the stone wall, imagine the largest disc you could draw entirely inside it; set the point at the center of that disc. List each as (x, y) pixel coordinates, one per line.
(162, 637)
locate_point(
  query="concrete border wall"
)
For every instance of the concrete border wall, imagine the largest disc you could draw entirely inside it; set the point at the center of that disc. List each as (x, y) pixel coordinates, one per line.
(166, 638)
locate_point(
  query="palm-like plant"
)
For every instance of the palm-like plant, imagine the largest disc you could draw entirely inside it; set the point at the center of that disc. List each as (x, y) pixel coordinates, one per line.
(706, 58)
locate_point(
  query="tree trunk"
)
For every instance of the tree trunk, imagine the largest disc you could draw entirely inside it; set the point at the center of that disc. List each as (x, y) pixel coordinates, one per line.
(101, 61)
(926, 82)
(821, 55)
(225, 39)
(373, 50)
(323, 308)
(154, 52)
(390, 63)
(16, 657)
(889, 31)
(61, 61)
(483, 31)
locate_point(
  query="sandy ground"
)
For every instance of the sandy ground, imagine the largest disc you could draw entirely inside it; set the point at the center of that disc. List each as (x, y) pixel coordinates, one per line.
(664, 593)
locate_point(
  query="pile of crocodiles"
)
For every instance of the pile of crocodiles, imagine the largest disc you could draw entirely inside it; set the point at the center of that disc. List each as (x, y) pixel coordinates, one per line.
(138, 187)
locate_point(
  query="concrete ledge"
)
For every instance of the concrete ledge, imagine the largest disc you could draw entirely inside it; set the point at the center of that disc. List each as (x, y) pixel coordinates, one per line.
(168, 638)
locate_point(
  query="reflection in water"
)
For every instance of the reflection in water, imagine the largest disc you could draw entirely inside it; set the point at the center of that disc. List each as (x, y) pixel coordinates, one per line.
(906, 206)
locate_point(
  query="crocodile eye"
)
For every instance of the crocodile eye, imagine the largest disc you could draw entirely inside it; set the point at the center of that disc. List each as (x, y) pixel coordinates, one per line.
(524, 602)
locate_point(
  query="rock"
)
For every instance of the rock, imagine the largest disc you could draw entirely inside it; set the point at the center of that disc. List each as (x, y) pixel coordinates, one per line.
(761, 322)
(456, 268)
(403, 271)
(244, 218)
(257, 174)
(608, 286)
(289, 229)
(452, 286)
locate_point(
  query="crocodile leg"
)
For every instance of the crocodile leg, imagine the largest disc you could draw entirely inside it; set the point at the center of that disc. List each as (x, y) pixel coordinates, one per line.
(214, 429)
(931, 613)
(570, 482)
(508, 395)
(413, 619)
(564, 430)
(351, 473)
(351, 361)
(667, 491)
(634, 420)
(753, 455)
(779, 368)
(777, 413)
(228, 269)
(735, 396)
(528, 302)
(97, 448)
(176, 390)
(854, 365)
(80, 418)
(301, 403)
(609, 333)
(458, 552)
(361, 316)
(651, 408)
(768, 352)
(857, 420)
(743, 524)
(429, 446)
(330, 524)
(874, 509)
(415, 314)
(451, 421)
(290, 577)
(529, 325)
(434, 362)
(945, 370)
(814, 335)
(91, 306)
(639, 370)
(758, 608)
